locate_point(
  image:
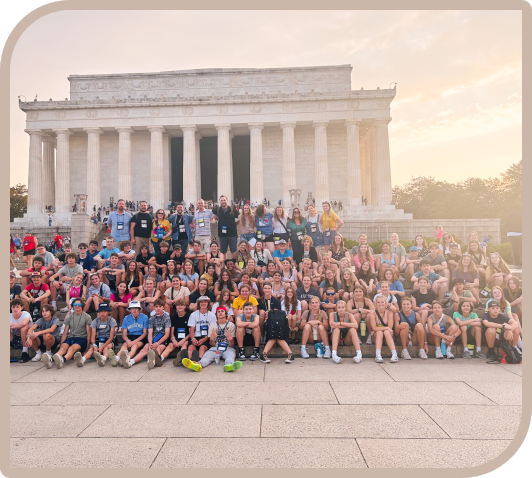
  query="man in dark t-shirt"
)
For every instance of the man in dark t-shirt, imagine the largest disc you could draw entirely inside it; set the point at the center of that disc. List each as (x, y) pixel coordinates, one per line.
(179, 333)
(499, 327)
(266, 303)
(202, 290)
(141, 226)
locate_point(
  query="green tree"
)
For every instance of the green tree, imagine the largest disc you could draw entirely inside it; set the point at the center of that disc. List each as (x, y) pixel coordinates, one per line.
(18, 201)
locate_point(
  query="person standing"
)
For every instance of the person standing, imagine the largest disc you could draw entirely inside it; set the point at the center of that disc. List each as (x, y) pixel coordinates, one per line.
(140, 227)
(330, 223)
(202, 220)
(16, 240)
(227, 216)
(119, 221)
(181, 230)
(30, 245)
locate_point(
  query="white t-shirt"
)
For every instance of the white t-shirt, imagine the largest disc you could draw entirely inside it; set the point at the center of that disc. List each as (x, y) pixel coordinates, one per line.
(390, 299)
(228, 307)
(298, 308)
(24, 315)
(197, 319)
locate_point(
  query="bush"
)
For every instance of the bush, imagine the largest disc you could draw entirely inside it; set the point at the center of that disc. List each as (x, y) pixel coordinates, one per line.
(504, 250)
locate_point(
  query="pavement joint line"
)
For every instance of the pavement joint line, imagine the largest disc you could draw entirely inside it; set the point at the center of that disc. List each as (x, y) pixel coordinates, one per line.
(107, 408)
(164, 443)
(59, 391)
(509, 370)
(478, 391)
(332, 388)
(437, 424)
(382, 368)
(260, 428)
(362, 454)
(260, 438)
(191, 395)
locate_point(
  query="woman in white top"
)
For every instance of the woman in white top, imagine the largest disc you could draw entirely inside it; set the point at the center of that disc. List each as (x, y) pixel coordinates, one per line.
(261, 255)
(289, 274)
(292, 307)
(280, 229)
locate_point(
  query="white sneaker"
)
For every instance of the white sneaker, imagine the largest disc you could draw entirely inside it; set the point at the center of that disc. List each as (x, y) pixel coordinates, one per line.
(336, 359)
(378, 359)
(99, 359)
(77, 359)
(46, 360)
(357, 358)
(151, 359)
(304, 354)
(405, 355)
(59, 361)
(327, 354)
(369, 342)
(439, 355)
(37, 358)
(395, 358)
(422, 354)
(64, 309)
(449, 354)
(124, 359)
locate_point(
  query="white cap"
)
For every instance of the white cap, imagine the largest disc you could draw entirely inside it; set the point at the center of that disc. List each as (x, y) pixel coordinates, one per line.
(134, 304)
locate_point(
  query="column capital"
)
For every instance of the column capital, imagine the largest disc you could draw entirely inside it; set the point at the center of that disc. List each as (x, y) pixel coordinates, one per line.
(353, 121)
(156, 129)
(48, 139)
(188, 127)
(288, 124)
(223, 126)
(320, 123)
(124, 129)
(38, 132)
(382, 120)
(93, 130)
(198, 135)
(255, 125)
(63, 131)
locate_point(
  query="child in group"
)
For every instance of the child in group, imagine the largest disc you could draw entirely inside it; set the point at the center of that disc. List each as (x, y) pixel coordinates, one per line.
(442, 329)
(44, 334)
(470, 329)
(19, 324)
(179, 335)
(408, 323)
(134, 334)
(343, 328)
(382, 329)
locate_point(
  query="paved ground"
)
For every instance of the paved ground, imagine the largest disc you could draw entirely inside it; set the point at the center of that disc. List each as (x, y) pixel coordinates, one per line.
(409, 414)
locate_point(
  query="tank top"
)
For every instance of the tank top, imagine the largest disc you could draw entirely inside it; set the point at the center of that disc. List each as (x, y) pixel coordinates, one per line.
(390, 262)
(411, 319)
(133, 283)
(75, 291)
(365, 306)
(380, 320)
(337, 319)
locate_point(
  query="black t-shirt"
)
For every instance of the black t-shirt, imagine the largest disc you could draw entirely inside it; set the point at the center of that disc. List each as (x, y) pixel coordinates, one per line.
(143, 225)
(226, 221)
(180, 222)
(163, 258)
(62, 258)
(500, 319)
(275, 304)
(180, 323)
(144, 260)
(427, 298)
(193, 298)
(302, 295)
(14, 291)
(180, 260)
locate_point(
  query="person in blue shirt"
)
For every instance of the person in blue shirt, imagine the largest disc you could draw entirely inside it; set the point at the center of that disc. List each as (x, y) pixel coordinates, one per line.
(181, 231)
(93, 249)
(102, 259)
(85, 260)
(134, 333)
(396, 287)
(119, 222)
(281, 254)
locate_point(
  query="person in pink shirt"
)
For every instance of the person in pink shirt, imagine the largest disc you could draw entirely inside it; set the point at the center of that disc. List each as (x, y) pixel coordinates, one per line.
(120, 302)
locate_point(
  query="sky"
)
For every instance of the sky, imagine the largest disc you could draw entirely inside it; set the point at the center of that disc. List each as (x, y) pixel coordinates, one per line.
(458, 108)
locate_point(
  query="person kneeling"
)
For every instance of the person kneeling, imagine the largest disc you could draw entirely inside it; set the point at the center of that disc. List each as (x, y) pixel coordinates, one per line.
(248, 331)
(221, 339)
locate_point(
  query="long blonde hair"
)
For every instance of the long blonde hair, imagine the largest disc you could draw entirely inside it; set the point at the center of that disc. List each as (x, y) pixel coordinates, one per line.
(243, 217)
(338, 248)
(349, 285)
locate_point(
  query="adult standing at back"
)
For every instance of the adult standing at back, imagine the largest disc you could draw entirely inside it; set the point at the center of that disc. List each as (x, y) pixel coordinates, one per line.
(330, 223)
(119, 221)
(280, 229)
(297, 225)
(202, 219)
(29, 243)
(264, 223)
(181, 230)
(16, 241)
(313, 227)
(140, 227)
(227, 216)
(161, 230)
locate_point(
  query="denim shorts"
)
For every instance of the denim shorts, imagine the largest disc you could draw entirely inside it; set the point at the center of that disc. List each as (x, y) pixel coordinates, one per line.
(247, 237)
(328, 239)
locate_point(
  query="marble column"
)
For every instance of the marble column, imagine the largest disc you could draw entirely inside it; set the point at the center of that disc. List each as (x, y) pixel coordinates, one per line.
(35, 190)
(373, 167)
(321, 164)
(232, 188)
(366, 168)
(157, 199)
(197, 138)
(225, 178)
(256, 176)
(289, 161)
(125, 178)
(190, 170)
(63, 198)
(354, 175)
(48, 171)
(93, 169)
(383, 162)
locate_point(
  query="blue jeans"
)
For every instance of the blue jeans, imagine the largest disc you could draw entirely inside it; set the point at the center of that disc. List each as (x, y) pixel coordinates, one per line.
(247, 237)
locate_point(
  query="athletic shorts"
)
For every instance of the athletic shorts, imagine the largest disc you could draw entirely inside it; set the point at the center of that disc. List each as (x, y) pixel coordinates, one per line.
(343, 332)
(143, 342)
(31, 252)
(42, 346)
(16, 343)
(278, 237)
(249, 340)
(81, 341)
(268, 238)
(328, 239)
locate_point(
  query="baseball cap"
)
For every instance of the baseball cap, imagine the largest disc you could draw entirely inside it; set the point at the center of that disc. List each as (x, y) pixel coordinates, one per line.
(414, 248)
(282, 241)
(202, 298)
(177, 246)
(221, 308)
(12, 274)
(458, 280)
(29, 231)
(35, 274)
(104, 307)
(134, 304)
(494, 304)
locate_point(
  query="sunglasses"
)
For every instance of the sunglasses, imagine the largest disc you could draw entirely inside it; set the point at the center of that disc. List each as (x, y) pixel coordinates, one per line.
(76, 304)
(330, 293)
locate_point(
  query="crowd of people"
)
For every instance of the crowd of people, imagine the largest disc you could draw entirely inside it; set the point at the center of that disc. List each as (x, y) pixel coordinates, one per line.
(166, 284)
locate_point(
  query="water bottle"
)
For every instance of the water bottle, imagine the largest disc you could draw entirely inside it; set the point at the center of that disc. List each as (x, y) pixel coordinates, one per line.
(217, 358)
(362, 328)
(443, 345)
(319, 350)
(315, 334)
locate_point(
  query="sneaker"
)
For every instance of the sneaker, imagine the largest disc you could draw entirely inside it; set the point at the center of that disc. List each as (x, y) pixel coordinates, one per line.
(466, 354)
(111, 358)
(492, 355)
(158, 361)
(37, 358)
(99, 358)
(422, 354)
(255, 354)
(194, 356)
(25, 357)
(192, 365)
(439, 355)
(304, 354)
(264, 358)
(378, 359)
(46, 360)
(290, 358)
(124, 359)
(405, 355)
(447, 295)
(369, 342)
(151, 359)
(241, 354)
(77, 359)
(336, 359)
(481, 355)
(59, 361)
(449, 354)
(64, 309)
(327, 354)
(233, 366)
(180, 356)
(395, 358)
(357, 358)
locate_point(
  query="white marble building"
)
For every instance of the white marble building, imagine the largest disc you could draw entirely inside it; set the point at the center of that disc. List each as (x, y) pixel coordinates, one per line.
(118, 134)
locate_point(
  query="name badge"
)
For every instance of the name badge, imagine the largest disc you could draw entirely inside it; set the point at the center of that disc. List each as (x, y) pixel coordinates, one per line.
(204, 328)
(249, 331)
(26, 243)
(181, 333)
(327, 232)
(181, 228)
(201, 223)
(260, 235)
(224, 229)
(120, 226)
(276, 240)
(101, 343)
(300, 235)
(143, 223)
(313, 228)
(222, 346)
(241, 265)
(160, 233)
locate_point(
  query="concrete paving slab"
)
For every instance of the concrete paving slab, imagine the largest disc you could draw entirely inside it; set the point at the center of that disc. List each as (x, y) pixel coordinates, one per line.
(507, 393)
(514, 368)
(33, 393)
(19, 370)
(52, 421)
(250, 372)
(458, 370)
(430, 453)
(348, 421)
(132, 393)
(476, 421)
(85, 452)
(89, 373)
(324, 371)
(407, 393)
(264, 393)
(263, 453)
(177, 421)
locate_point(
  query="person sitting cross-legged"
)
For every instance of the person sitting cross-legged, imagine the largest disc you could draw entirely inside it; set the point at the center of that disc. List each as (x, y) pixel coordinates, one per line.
(248, 331)
(134, 333)
(222, 340)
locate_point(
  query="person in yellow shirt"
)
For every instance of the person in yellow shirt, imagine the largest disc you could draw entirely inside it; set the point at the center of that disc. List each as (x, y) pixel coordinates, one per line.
(245, 296)
(161, 230)
(330, 224)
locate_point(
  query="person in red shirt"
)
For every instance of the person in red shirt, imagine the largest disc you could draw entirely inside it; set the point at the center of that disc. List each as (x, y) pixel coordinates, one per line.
(58, 242)
(36, 294)
(30, 244)
(37, 266)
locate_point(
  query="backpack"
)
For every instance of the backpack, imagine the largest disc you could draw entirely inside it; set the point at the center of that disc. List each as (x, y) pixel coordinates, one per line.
(276, 325)
(510, 355)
